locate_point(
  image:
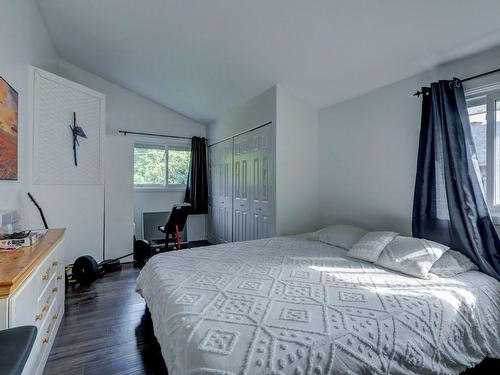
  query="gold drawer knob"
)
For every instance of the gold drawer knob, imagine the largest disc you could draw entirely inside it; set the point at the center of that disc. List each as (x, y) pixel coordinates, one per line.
(59, 277)
(38, 317)
(45, 308)
(55, 290)
(55, 316)
(55, 263)
(45, 277)
(45, 340)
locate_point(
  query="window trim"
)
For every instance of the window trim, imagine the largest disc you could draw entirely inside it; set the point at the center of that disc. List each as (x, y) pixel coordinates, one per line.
(491, 93)
(160, 187)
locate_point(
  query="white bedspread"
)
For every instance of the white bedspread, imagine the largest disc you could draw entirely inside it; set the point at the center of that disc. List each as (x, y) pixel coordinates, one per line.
(293, 306)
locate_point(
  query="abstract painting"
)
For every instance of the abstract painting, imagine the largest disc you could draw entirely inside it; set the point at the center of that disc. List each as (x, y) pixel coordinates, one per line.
(8, 131)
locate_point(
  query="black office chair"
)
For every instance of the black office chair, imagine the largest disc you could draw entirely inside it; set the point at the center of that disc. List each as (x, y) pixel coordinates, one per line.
(15, 348)
(175, 224)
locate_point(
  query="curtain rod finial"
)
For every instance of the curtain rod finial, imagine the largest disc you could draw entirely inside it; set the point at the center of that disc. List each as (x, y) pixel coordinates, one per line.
(418, 93)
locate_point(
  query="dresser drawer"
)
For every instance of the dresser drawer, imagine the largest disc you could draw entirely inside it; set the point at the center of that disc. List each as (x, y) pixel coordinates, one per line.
(46, 298)
(49, 267)
(49, 321)
(23, 305)
(43, 343)
(61, 283)
(30, 304)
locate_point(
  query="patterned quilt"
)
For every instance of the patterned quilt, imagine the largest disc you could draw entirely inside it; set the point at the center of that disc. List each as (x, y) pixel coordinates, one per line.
(292, 306)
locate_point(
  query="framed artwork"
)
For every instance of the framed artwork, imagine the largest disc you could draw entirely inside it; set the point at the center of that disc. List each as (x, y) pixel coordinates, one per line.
(8, 131)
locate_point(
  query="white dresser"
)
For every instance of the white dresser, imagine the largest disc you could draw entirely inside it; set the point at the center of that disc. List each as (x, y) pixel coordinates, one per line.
(32, 290)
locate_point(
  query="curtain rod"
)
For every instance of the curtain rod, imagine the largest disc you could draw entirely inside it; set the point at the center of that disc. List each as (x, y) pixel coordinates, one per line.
(418, 93)
(125, 132)
(246, 131)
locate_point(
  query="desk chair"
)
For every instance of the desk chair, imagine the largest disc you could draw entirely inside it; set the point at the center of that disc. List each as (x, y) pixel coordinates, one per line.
(175, 224)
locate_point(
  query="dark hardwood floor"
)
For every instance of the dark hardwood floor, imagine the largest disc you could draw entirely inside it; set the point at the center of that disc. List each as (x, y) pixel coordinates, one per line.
(106, 329)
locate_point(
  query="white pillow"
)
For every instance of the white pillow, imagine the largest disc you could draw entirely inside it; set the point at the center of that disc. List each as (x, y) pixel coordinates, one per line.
(310, 236)
(413, 256)
(452, 263)
(371, 245)
(341, 235)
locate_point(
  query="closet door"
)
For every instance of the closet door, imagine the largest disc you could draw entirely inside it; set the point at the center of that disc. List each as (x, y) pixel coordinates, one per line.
(241, 201)
(223, 191)
(210, 217)
(262, 183)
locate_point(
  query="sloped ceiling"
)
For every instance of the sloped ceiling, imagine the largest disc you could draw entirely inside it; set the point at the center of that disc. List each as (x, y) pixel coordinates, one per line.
(202, 57)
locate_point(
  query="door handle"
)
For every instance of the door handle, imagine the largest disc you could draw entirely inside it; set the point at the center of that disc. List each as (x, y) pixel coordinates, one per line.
(242, 205)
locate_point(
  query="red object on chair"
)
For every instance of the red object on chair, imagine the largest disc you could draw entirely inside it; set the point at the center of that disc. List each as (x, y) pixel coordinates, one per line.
(175, 224)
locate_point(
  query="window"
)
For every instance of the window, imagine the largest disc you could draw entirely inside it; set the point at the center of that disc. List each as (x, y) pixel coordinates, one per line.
(484, 116)
(160, 165)
(178, 165)
(478, 125)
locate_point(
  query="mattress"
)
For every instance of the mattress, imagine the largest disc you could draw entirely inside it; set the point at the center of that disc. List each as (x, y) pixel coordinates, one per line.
(295, 306)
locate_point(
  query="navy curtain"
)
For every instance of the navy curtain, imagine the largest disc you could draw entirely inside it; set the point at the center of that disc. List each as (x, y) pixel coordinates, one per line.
(449, 205)
(197, 184)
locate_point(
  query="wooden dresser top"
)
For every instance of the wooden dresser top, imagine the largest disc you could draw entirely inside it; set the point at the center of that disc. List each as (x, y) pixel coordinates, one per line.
(17, 265)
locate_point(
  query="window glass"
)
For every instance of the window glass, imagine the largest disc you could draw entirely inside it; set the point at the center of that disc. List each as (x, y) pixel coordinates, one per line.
(149, 165)
(478, 124)
(178, 165)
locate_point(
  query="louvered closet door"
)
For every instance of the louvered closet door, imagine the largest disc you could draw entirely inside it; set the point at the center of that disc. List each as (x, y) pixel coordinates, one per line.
(262, 183)
(223, 191)
(211, 219)
(241, 201)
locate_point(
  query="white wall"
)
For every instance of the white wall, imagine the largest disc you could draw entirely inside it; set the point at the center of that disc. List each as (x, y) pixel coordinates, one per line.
(368, 149)
(24, 41)
(130, 111)
(296, 164)
(118, 196)
(256, 111)
(295, 125)
(126, 110)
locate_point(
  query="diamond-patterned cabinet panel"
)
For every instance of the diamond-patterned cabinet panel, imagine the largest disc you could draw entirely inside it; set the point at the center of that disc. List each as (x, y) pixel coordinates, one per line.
(55, 103)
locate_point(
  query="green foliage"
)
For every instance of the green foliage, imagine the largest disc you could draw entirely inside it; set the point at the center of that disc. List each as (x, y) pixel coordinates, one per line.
(178, 166)
(150, 165)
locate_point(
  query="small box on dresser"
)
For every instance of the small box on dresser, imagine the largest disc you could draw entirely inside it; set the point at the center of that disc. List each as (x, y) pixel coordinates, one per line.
(32, 292)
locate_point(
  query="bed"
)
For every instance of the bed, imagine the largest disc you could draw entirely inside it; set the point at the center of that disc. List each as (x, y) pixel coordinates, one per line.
(295, 306)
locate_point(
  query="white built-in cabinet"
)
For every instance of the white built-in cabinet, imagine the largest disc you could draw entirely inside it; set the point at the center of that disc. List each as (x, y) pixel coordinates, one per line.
(242, 185)
(72, 196)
